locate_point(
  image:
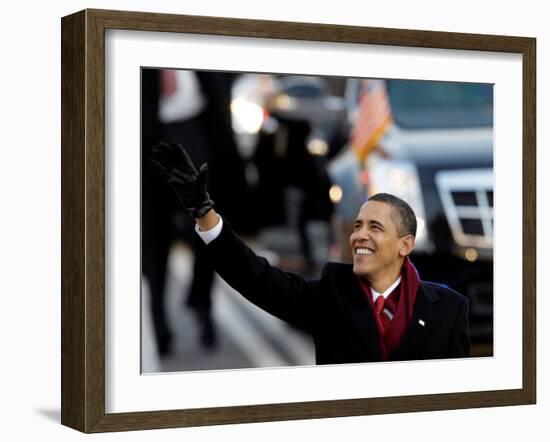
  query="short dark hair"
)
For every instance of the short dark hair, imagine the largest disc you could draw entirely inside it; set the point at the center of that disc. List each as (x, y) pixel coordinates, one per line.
(402, 214)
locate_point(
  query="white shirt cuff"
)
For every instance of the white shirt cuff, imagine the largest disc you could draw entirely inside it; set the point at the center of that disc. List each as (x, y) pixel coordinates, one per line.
(210, 235)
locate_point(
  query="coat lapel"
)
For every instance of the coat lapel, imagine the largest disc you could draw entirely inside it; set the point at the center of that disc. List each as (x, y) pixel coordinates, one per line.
(424, 319)
(360, 312)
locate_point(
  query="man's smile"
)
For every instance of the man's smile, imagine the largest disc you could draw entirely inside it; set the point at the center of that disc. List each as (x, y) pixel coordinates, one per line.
(363, 251)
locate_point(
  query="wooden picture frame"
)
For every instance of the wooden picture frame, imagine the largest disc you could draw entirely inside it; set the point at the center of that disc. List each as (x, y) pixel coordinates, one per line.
(83, 220)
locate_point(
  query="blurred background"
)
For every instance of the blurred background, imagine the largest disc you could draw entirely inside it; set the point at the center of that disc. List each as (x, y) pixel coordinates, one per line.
(303, 153)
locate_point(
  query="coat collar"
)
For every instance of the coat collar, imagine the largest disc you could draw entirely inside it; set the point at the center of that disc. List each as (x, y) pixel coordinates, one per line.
(424, 319)
(362, 317)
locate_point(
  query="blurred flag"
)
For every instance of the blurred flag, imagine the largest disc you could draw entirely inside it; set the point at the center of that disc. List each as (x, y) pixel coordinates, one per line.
(373, 118)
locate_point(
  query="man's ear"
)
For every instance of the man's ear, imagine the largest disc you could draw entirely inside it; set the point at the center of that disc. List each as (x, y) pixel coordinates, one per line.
(407, 245)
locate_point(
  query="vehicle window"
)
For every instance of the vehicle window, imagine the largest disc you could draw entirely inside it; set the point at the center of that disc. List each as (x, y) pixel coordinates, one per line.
(304, 91)
(438, 104)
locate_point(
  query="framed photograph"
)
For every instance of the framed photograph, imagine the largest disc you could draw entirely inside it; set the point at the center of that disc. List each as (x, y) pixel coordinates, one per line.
(454, 135)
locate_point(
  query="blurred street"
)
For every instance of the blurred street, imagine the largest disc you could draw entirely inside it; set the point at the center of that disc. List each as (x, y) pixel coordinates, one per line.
(247, 336)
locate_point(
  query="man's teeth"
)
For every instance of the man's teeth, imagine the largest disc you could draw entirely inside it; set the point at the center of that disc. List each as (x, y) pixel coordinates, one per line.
(363, 252)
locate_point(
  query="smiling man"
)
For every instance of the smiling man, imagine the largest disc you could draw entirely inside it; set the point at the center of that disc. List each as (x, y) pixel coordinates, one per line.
(374, 310)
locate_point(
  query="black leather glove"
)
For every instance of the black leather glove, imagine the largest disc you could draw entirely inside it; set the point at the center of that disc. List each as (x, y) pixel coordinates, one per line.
(174, 164)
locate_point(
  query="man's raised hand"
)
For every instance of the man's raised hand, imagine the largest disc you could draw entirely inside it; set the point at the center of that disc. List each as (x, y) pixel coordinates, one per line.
(190, 185)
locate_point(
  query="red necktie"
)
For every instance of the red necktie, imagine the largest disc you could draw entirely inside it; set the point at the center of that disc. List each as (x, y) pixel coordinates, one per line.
(381, 318)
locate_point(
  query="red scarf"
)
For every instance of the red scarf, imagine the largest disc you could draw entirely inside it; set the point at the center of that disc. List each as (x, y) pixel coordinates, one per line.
(401, 303)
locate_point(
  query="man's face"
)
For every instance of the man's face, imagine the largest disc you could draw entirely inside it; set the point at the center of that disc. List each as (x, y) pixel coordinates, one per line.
(377, 249)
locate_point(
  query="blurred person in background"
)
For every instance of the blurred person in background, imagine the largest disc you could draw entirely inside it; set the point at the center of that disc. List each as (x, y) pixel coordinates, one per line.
(188, 107)
(158, 207)
(375, 309)
(293, 184)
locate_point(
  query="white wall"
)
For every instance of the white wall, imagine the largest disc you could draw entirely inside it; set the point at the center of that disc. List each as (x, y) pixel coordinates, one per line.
(30, 217)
